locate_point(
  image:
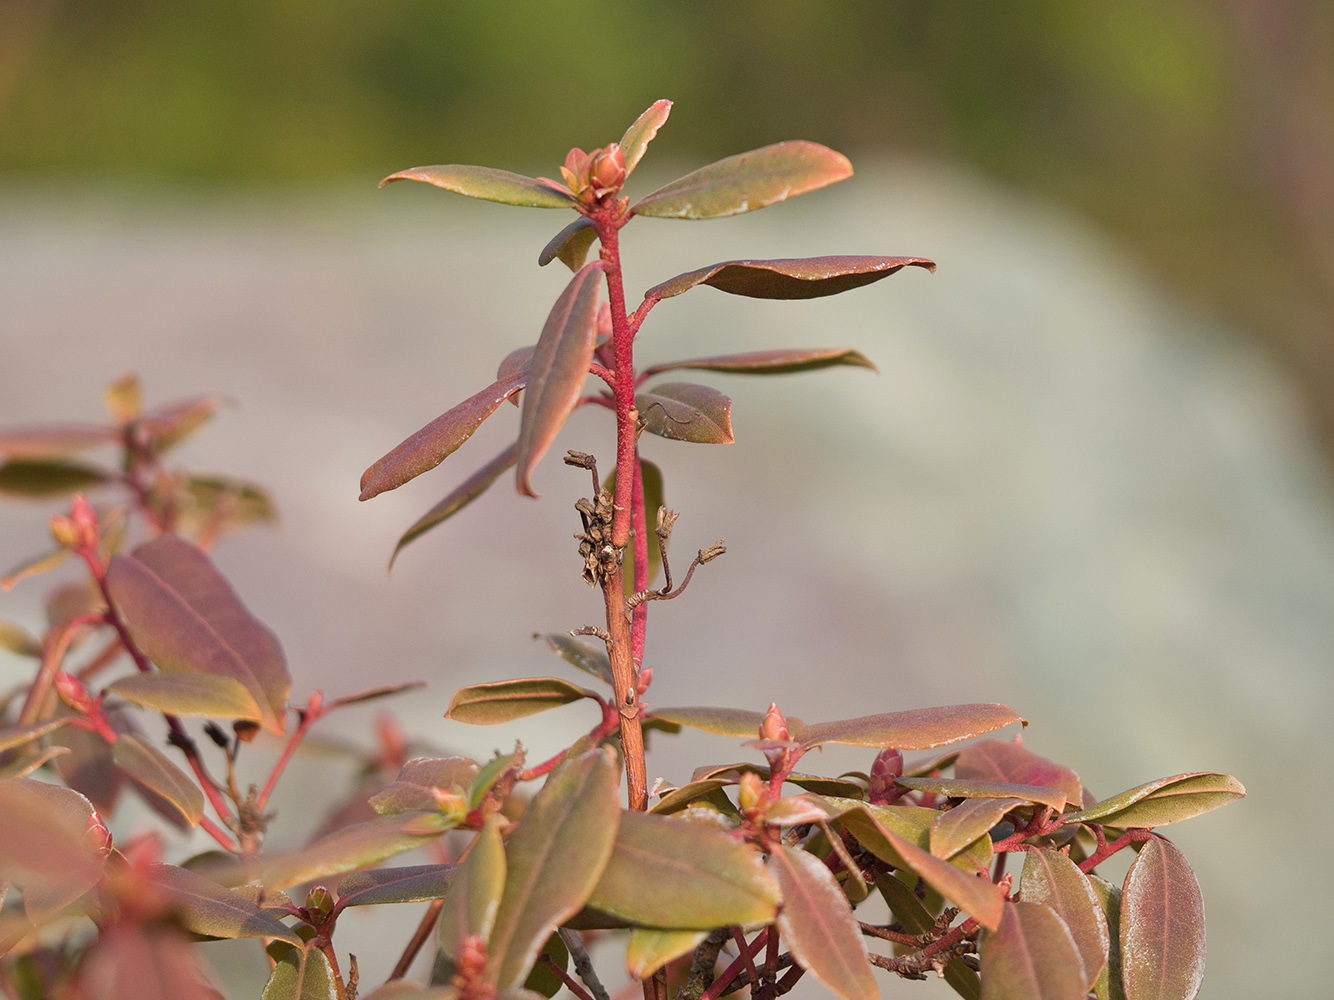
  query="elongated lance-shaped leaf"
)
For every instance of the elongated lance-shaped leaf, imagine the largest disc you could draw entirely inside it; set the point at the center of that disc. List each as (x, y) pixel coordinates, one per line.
(954, 829)
(19, 641)
(916, 729)
(16, 736)
(1162, 926)
(208, 695)
(439, 439)
(355, 846)
(488, 184)
(641, 133)
(672, 873)
(650, 948)
(557, 371)
(555, 859)
(204, 907)
(913, 824)
(34, 566)
(473, 899)
(1052, 879)
(779, 362)
(1031, 956)
(818, 925)
(465, 493)
(301, 974)
(1000, 760)
(41, 478)
(570, 245)
(505, 701)
(53, 441)
(186, 617)
(1164, 801)
(684, 411)
(580, 654)
(409, 884)
(1108, 984)
(723, 721)
(788, 278)
(958, 788)
(21, 767)
(152, 769)
(747, 181)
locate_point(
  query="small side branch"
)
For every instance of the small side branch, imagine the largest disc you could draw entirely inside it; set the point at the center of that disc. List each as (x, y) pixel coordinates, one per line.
(583, 965)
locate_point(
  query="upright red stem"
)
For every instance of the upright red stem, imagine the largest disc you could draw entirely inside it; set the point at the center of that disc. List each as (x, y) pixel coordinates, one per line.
(639, 518)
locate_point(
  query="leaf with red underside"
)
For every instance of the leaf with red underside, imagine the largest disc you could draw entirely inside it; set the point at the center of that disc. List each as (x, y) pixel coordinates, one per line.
(462, 495)
(557, 370)
(1162, 926)
(788, 278)
(505, 701)
(439, 439)
(771, 362)
(684, 411)
(641, 133)
(1000, 760)
(818, 925)
(1031, 956)
(1052, 879)
(186, 618)
(916, 729)
(747, 181)
(488, 184)
(54, 441)
(570, 245)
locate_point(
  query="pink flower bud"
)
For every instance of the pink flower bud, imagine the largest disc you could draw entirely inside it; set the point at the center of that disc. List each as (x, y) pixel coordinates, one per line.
(774, 726)
(85, 521)
(606, 170)
(751, 796)
(887, 766)
(73, 693)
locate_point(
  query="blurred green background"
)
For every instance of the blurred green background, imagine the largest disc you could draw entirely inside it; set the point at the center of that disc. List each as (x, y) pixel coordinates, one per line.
(1200, 132)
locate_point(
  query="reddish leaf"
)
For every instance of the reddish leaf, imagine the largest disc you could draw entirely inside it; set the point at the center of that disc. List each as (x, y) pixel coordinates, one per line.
(1162, 926)
(1000, 760)
(375, 694)
(16, 736)
(489, 184)
(169, 425)
(505, 701)
(353, 847)
(771, 362)
(205, 907)
(957, 788)
(208, 695)
(954, 829)
(570, 245)
(45, 843)
(462, 495)
(415, 788)
(1031, 956)
(788, 278)
(558, 368)
(38, 479)
(88, 768)
(473, 899)
(916, 729)
(1052, 879)
(411, 884)
(152, 770)
(818, 926)
(55, 441)
(186, 617)
(641, 133)
(514, 362)
(146, 964)
(439, 439)
(683, 411)
(747, 181)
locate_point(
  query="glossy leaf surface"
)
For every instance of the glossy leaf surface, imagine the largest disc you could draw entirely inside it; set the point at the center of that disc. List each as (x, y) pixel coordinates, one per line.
(771, 362)
(671, 873)
(55, 441)
(186, 617)
(641, 133)
(1031, 956)
(488, 184)
(1167, 800)
(473, 899)
(152, 769)
(410, 884)
(747, 181)
(583, 655)
(302, 974)
(958, 788)
(555, 859)
(354, 846)
(954, 829)
(505, 701)
(1162, 926)
(788, 278)
(208, 695)
(570, 246)
(204, 907)
(458, 498)
(684, 411)
(41, 478)
(650, 948)
(916, 729)
(1108, 984)
(818, 925)
(999, 760)
(1052, 879)
(557, 370)
(428, 447)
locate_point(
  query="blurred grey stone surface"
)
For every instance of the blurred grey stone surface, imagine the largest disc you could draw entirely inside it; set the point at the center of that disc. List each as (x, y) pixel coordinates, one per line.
(1063, 491)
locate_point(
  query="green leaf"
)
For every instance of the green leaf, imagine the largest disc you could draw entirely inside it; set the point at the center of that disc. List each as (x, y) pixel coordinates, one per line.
(124, 399)
(671, 873)
(1031, 956)
(1167, 800)
(491, 773)
(19, 641)
(555, 859)
(302, 974)
(913, 824)
(32, 567)
(169, 425)
(505, 701)
(151, 769)
(916, 729)
(915, 918)
(586, 657)
(462, 495)
(42, 478)
(207, 695)
(683, 411)
(957, 788)
(747, 181)
(723, 721)
(570, 245)
(55, 441)
(414, 790)
(557, 371)
(488, 184)
(1162, 926)
(650, 948)
(678, 798)
(771, 362)
(16, 736)
(354, 846)
(818, 926)
(473, 899)
(409, 884)
(999, 760)
(211, 910)
(789, 278)
(1052, 879)
(543, 980)
(186, 618)
(1108, 984)
(222, 503)
(428, 447)
(954, 829)
(641, 133)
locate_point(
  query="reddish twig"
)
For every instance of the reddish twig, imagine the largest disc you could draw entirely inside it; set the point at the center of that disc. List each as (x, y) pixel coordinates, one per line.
(313, 711)
(419, 936)
(1106, 850)
(732, 971)
(570, 982)
(53, 655)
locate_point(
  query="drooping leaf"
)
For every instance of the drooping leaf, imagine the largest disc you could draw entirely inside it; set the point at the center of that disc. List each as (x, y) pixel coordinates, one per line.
(204, 907)
(671, 873)
(958, 788)
(207, 695)
(557, 370)
(678, 798)
(42, 478)
(1031, 956)
(376, 693)
(747, 181)
(1162, 926)
(913, 824)
(186, 618)
(505, 701)
(555, 859)
(1167, 800)
(45, 848)
(302, 974)
(684, 411)
(915, 918)
(488, 184)
(570, 245)
(428, 447)
(54, 441)
(954, 829)
(586, 657)
(916, 729)
(458, 498)
(19, 641)
(473, 899)
(16, 736)
(1000, 760)
(1108, 984)
(650, 948)
(414, 790)
(21, 767)
(1052, 879)
(34, 566)
(771, 362)
(151, 769)
(354, 846)
(641, 133)
(818, 926)
(789, 278)
(410, 884)
(723, 721)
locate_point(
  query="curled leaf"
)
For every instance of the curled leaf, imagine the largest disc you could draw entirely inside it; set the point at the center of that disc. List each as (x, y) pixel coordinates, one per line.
(570, 245)
(488, 184)
(770, 362)
(1000, 760)
(641, 133)
(580, 654)
(1164, 801)
(465, 493)
(954, 829)
(788, 278)
(684, 411)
